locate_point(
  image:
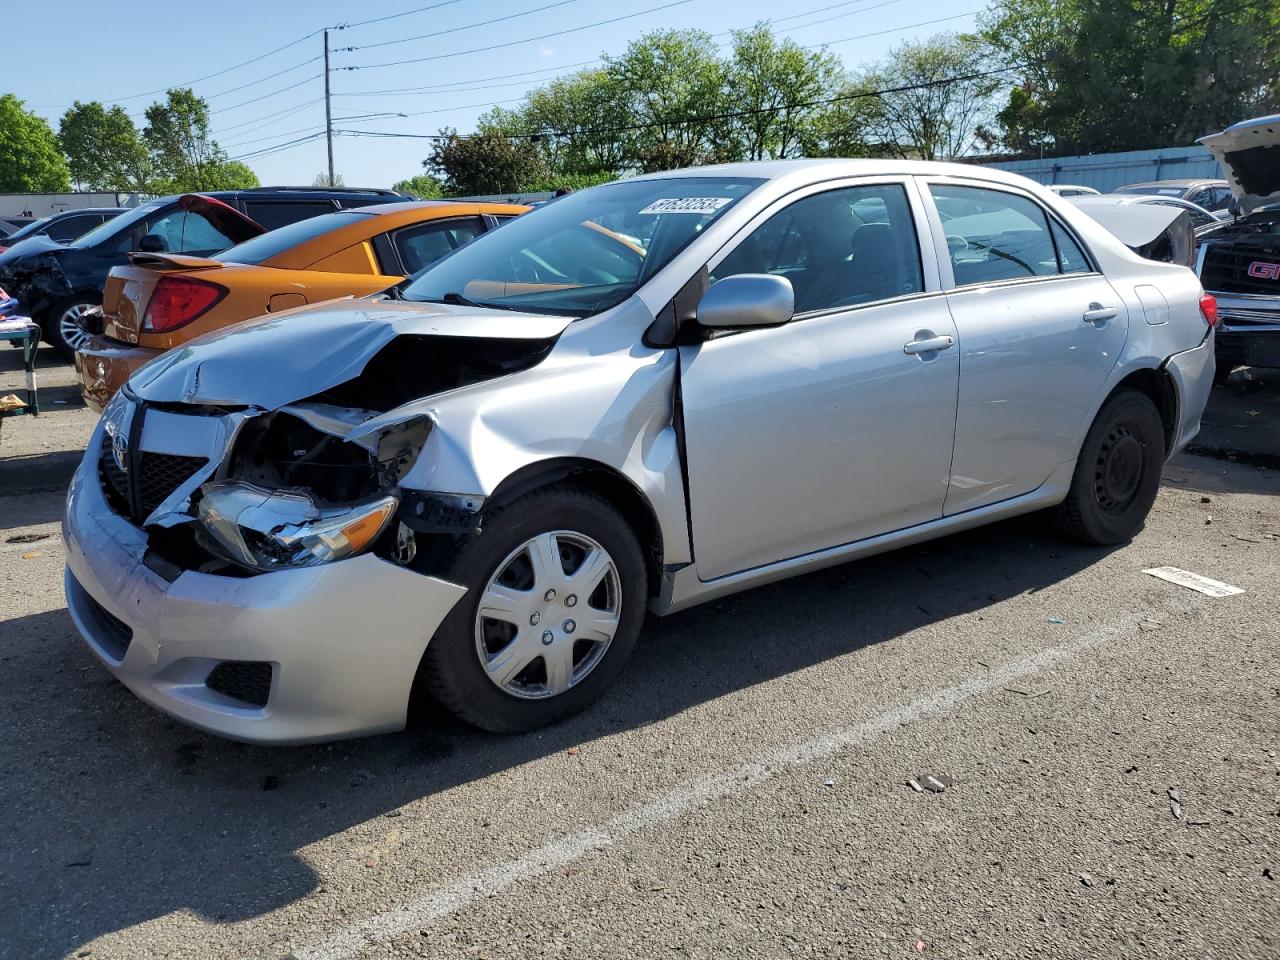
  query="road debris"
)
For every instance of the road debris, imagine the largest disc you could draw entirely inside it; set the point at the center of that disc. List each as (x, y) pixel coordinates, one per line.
(828, 782)
(1056, 620)
(28, 537)
(1029, 694)
(1086, 879)
(1194, 581)
(1175, 804)
(933, 782)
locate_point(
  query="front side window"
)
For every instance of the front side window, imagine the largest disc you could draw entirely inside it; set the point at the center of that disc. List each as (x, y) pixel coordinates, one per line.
(423, 245)
(993, 235)
(68, 228)
(185, 232)
(839, 248)
(585, 253)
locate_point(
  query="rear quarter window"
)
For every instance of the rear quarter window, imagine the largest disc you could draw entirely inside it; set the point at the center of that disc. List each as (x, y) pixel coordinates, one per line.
(273, 214)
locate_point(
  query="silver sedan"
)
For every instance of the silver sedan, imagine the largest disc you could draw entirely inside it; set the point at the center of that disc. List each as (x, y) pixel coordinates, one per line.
(641, 396)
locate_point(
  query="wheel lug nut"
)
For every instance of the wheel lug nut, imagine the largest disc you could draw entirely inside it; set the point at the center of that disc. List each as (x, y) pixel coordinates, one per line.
(570, 626)
(571, 600)
(534, 618)
(549, 596)
(548, 638)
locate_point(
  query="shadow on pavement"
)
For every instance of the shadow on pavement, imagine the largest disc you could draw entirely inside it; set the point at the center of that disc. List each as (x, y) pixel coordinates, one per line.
(120, 815)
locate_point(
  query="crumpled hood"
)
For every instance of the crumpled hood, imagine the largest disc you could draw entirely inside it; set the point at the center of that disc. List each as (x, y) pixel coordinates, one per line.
(286, 357)
(30, 247)
(1250, 152)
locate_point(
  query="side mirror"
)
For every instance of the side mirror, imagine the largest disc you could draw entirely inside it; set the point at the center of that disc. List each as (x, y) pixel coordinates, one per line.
(153, 243)
(747, 300)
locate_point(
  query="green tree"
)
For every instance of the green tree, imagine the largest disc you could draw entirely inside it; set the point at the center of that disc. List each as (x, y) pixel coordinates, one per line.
(775, 80)
(422, 186)
(672, 89)
(184, 155)
(932, 102)
(578, 118)
(30, 159)
(103, 148)
(1103, 75)
(486, 162)
(322, 180)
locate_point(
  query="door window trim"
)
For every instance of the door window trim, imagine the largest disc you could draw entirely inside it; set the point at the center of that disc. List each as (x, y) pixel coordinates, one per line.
(940, 237)
(915, 204)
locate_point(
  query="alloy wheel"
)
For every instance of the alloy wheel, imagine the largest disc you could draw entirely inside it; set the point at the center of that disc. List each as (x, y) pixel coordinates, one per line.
(71, 325)
(548, 615)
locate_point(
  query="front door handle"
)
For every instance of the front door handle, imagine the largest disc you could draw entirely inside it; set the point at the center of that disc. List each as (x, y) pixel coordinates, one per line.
(927, 346)
(1097, 313)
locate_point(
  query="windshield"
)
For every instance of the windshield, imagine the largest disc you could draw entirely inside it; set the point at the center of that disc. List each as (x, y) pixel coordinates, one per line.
(584, 252)
(261, 249)
(112, 227)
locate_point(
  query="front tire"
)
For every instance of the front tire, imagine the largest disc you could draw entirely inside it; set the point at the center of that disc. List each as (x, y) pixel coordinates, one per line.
(1118, 473)
(63, 327)
(556, 592)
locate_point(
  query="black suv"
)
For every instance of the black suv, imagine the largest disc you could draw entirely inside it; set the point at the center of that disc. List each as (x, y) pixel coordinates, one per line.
(57, 283)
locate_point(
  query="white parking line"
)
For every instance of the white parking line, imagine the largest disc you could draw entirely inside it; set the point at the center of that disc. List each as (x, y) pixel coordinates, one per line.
(352, 940)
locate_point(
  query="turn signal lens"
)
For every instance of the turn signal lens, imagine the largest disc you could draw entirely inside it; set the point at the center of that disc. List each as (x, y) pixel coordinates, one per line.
(179, 300)
(1209, 309)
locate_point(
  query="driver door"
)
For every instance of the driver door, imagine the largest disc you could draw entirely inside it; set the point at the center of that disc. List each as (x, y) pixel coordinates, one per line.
(834, 427)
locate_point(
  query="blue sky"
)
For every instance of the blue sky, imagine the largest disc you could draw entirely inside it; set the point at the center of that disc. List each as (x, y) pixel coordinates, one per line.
(119, 52)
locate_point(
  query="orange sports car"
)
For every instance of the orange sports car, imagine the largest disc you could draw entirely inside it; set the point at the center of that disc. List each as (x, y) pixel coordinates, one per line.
(162, 300)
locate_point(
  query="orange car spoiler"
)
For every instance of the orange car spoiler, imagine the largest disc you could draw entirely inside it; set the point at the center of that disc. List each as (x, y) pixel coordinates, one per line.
(173, 261)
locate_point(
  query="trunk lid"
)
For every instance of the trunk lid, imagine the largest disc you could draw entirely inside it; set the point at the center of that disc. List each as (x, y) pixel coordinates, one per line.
(128, 290)
(1250, 152)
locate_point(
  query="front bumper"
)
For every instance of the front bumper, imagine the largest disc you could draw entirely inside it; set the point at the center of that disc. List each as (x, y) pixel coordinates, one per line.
(1192, 373)
(1248, 330)
(344, 639)
(103, 366)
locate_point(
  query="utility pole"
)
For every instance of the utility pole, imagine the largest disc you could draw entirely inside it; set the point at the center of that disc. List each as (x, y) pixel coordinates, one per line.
(328, 110)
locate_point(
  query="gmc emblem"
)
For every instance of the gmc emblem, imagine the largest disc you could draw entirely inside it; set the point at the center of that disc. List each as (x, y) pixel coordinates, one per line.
(1264, 271)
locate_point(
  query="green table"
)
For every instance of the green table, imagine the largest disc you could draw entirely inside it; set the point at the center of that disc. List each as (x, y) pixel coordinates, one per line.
(26, 334)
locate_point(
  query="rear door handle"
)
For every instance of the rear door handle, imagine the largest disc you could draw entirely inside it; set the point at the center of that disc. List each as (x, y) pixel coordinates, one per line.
(928, 346)
(1097, 313)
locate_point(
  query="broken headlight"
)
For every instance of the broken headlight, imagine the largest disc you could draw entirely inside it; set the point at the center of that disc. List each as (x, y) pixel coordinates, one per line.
(270, 529)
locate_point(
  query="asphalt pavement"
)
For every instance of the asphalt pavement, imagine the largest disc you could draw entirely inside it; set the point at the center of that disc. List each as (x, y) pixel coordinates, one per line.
(1110, 741)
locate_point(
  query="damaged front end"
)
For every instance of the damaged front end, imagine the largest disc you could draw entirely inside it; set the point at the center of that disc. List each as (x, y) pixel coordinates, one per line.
(241, 490)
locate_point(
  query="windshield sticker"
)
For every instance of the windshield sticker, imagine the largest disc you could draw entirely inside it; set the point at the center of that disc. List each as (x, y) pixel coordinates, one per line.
(703, 206)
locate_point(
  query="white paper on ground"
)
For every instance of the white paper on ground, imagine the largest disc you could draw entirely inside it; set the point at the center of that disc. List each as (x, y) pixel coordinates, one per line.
(1193, 581)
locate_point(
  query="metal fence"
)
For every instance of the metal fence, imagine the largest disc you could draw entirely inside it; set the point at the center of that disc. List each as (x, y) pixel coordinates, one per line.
(1107, 171)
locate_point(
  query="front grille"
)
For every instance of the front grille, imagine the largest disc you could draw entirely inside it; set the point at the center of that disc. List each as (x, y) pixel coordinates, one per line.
(156, 475)
(248, 681)
(109, 632)
(1226, 268)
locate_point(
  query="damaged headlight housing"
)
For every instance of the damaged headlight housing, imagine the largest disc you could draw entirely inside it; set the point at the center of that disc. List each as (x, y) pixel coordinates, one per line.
(274, 529)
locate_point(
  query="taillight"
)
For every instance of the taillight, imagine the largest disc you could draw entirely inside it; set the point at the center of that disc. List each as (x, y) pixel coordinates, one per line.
(1209, 309)
(3, 295)
(179, 300)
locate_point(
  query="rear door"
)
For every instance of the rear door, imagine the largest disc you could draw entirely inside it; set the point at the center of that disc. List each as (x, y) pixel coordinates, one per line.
(834, 427)
(1040, 330)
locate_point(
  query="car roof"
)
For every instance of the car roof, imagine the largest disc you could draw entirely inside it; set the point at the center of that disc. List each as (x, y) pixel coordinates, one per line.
(818, 170)
(1186, 182)
(68, 213)
(369, 221)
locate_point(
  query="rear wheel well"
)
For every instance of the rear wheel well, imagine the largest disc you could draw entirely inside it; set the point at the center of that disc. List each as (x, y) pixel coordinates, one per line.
(603, 481)
(1159, 388)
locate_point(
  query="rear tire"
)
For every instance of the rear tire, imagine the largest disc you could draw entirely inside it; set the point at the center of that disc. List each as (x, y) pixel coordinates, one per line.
(517, 569)
(1118, 473)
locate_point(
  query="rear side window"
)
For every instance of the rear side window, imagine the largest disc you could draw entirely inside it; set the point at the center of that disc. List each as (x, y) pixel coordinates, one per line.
(423, 245)
(280, 213)
(1071, 258)
(840, 248)
(68, 228)
(993, 235)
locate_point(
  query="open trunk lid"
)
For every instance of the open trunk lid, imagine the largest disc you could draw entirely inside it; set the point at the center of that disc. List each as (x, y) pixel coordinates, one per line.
(1250, 152)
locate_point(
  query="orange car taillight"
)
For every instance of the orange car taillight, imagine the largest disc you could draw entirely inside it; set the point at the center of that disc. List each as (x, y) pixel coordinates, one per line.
(1209, 309)
(179, 300)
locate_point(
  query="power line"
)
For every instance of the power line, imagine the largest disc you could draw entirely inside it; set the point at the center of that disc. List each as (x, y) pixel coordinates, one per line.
(265, 96)
(441, 33)
(254, 83)
(286, 112)
(880, 33)
(512, 43)
(710, 118)
(276, 148)
(434, 88)
(394, 16)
